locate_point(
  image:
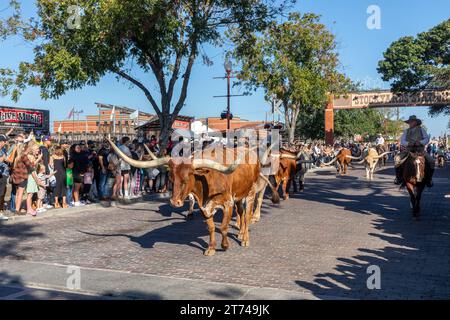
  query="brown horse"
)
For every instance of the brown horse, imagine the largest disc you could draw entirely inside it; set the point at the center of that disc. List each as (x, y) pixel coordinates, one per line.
(414, 177)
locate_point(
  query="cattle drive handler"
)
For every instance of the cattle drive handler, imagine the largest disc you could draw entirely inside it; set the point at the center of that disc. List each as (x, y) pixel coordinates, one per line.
(414, 136)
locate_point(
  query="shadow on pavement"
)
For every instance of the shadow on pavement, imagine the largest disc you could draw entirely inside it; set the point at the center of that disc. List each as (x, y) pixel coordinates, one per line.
(15, 234)
(416, 262)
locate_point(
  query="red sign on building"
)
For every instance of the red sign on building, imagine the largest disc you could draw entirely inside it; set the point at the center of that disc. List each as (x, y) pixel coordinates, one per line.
(24, 118)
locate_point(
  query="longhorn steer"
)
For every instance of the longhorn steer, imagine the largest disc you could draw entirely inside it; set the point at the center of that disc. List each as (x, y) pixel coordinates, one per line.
(214, 186)
(343, 159)
(286, 171)
(370, 159)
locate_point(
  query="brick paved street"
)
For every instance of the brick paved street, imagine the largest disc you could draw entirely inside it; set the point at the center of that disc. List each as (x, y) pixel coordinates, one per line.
(318, 244)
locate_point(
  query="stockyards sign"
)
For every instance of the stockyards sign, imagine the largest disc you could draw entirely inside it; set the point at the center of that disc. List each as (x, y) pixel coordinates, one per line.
(382, 99)
(27, 119)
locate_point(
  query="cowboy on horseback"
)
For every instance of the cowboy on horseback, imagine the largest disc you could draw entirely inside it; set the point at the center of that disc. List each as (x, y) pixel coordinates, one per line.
(414, 137)
(379, 141)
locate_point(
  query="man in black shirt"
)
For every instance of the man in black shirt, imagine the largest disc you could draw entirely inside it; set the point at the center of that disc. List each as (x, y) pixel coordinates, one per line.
(103, 166)
(46, 144)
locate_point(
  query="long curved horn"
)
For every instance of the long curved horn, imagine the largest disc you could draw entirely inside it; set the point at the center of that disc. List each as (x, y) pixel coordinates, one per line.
(330, 163)
(152, 155)
(403, 160)
(211, 164)
(353, 158)
(299, 154)
(266, 154)
(306, 161)
(288, 156)
(381, 155)
(136, 163)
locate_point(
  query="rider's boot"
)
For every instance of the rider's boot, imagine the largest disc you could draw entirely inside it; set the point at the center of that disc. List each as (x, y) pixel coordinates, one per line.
(398, 176)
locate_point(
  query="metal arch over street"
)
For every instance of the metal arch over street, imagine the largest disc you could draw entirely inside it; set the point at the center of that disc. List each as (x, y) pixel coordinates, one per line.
(381, 99)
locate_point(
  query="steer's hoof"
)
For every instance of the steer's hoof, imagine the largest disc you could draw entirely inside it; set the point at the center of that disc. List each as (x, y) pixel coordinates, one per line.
(209, 252)
(225, 246)
(245, 243)
(255, 220)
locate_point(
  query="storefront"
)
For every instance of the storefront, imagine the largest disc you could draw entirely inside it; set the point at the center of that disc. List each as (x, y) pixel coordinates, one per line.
(24, 119)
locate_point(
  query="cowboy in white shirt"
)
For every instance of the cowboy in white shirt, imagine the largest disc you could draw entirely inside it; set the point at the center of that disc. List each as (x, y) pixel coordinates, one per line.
(379, 140)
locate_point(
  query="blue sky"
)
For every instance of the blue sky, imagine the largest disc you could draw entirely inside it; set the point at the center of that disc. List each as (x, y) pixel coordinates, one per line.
(360, 50)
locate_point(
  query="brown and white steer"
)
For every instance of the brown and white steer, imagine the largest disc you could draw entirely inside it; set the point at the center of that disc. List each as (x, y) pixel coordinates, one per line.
(214, 186)
(370, 159)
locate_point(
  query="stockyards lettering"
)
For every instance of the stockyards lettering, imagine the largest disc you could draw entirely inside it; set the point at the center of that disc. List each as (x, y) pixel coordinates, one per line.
(25, 118)
(389, 99)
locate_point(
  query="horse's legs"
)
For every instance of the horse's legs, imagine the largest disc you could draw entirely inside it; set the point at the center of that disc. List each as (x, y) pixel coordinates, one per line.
(418, 198)
(412, 197)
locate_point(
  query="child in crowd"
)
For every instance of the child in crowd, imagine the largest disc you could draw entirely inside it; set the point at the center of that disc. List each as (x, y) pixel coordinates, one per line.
(42, 186)
(69, 177)
(88, 178)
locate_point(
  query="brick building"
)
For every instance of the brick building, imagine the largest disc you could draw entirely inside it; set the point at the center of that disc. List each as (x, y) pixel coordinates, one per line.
(99, 125)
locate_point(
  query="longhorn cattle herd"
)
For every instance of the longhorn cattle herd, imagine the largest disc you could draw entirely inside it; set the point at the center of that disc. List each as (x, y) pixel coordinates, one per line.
(234, 179)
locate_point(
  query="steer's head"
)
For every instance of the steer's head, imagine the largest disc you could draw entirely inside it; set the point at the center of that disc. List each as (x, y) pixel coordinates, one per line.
(181, 174)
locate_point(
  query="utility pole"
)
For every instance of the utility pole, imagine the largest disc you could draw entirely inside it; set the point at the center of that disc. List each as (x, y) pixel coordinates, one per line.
(78, 112)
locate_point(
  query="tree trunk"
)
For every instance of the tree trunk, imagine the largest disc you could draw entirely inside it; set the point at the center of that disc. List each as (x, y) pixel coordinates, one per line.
(291, 133)
(290, 116)
(165, 133)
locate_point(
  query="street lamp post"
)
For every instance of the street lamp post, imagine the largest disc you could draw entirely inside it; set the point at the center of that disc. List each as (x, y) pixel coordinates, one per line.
(228, 69)
(228, 66)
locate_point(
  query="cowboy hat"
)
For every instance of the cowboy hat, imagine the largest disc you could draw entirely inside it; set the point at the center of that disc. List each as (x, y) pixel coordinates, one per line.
(412, 118)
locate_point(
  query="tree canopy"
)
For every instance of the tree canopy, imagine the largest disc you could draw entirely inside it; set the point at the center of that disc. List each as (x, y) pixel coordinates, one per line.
(294, 61)
(75, 48)
(418, 63)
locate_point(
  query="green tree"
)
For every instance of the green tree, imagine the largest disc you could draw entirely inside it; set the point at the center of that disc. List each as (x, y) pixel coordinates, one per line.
(366, 122)
(295, 61)
(421, 62)
(311, 123)
(161, 38)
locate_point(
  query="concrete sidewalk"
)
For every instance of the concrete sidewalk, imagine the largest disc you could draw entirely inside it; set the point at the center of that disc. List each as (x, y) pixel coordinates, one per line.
(35, 280)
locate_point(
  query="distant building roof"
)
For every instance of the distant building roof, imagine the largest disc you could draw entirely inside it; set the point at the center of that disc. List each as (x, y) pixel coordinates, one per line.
(155, 123)
(121, 108)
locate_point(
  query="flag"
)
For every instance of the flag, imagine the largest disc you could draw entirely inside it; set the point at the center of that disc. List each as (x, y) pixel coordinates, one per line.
(71, 113)
(134, 115)
(60, 127)
(113, 112)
